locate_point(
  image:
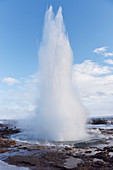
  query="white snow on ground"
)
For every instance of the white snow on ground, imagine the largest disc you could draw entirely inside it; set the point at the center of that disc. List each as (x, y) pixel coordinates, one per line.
(5, 166)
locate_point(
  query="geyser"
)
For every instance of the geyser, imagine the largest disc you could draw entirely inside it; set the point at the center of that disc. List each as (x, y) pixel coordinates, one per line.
(59, 116)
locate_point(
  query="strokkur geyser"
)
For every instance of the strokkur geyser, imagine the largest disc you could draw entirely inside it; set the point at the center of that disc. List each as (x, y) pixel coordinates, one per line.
(59, 116)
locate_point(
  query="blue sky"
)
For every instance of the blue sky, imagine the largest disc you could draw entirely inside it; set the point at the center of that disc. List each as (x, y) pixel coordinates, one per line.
(89, 25)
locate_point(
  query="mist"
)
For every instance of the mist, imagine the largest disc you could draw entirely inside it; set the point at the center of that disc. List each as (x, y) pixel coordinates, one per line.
(60, 116)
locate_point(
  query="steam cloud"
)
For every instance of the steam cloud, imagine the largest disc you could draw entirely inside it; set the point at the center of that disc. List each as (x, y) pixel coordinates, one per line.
(60, 116)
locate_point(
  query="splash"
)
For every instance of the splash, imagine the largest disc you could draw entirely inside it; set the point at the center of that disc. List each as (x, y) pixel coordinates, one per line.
(60, 115)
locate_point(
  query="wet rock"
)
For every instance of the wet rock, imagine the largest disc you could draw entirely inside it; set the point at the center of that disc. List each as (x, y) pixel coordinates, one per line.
(48, 160)
(23, 148)
(68, 148)
(93, 155)
(88, 151)
(102, 155)
(4, 150)
(72, 162)
(109, 149)
(5, 132)
(70, 154)
(97, 121)
(7, 143)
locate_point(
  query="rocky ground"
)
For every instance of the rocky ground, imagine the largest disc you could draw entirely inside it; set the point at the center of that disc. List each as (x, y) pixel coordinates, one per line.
(90, 155)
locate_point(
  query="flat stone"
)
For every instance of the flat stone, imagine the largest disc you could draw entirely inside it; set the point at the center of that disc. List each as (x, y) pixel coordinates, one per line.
(72, 162)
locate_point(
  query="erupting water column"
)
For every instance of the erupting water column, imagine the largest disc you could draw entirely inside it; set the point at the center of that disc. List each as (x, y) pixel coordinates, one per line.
(60, 116)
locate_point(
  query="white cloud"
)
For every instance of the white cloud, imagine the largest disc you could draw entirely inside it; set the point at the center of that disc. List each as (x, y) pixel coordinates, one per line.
(100, 50)
(91, 68)
(93, 82)
(108, 54)
(20, 102)
(96, 91)
(10, 81)
(100, 109)
(109, 61)
(103, 51)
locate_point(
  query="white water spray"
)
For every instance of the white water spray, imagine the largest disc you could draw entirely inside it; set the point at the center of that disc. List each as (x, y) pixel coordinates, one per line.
(60, 115)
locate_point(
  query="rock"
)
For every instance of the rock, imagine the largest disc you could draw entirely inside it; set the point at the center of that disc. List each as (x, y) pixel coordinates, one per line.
(68, 148)
(88, 151)
(72, 162)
